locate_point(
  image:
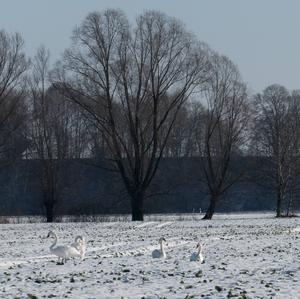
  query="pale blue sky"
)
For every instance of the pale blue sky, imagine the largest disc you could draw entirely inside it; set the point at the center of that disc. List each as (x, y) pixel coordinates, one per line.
(261, 36)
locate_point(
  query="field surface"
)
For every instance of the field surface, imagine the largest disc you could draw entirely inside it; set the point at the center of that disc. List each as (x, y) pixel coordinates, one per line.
(246, 256)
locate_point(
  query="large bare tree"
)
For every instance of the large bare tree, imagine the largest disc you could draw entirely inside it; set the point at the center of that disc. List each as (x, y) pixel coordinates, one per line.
(133, 82)
(276, 137)
(221, 131)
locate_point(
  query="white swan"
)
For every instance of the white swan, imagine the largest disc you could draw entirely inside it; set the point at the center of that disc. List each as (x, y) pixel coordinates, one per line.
(198, 256)
(63, 252)
(159, 253)
(80, 245)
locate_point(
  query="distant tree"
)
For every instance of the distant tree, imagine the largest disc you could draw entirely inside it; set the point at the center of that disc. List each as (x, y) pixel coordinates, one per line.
(13, 140)
(175, 146)
(194, 128)
(186, 131)
(133, 83)
(220, 132)
(276, 142)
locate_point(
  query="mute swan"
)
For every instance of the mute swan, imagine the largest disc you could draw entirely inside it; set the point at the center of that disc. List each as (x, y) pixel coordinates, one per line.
(80, 245)
(63, 252)
(198, 256)
(158, 253)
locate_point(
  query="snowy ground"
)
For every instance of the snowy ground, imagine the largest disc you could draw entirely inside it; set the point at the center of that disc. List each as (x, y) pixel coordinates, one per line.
(257, 257)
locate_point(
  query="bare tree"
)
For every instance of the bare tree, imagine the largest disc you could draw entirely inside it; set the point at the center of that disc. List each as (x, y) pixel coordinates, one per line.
(221, 129)
(133, 83)
(55, 131)
(275, 141)
(41, 131)
(13, 66)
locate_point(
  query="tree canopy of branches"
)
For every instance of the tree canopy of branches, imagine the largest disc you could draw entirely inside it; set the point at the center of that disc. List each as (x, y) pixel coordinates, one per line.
(133, 82)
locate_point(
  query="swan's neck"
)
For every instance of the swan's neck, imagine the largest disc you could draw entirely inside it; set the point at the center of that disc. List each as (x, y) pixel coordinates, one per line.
(162, 250)
(199, 251)
(54, 242)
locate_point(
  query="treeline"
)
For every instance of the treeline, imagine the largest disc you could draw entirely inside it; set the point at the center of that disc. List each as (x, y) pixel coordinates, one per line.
(133, 94)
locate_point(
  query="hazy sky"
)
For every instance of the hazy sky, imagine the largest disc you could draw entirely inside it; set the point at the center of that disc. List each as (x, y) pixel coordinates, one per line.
(261, 36)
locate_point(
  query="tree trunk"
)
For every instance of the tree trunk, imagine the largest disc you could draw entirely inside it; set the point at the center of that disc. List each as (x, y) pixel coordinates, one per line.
(289, 205)
(211, 208)
(278, 204)
(49, 212)
(137, 207)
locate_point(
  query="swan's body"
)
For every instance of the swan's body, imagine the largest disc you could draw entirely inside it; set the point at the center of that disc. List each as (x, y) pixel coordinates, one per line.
(198, 256)
(63, 252)
(159, 253)
(80, 245)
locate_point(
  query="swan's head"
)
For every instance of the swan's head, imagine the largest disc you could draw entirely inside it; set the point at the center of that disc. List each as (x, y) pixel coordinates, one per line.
(162, 240)
(79, 239)
(200, 246)
(51, 234)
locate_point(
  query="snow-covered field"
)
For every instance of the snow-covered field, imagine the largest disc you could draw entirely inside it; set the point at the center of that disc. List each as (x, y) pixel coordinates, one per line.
(256, 257)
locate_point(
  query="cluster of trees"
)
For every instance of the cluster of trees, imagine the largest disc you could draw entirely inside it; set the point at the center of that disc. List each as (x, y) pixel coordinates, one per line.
(132, 94)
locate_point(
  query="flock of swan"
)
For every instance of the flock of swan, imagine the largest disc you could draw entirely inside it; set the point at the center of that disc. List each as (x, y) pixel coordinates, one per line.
(195, 256)
(66, 252)
(78, 249)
